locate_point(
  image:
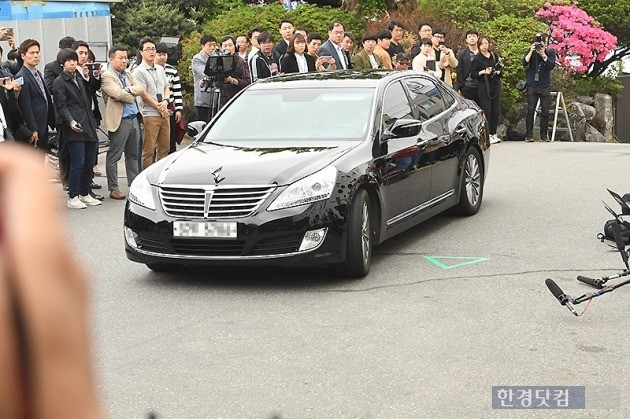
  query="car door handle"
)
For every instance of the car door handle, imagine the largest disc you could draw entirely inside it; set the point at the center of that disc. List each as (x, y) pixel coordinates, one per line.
(460, 130)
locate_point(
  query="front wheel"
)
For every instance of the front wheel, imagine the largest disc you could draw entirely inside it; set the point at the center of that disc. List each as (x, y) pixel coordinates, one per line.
(471, 191)
(360, 237)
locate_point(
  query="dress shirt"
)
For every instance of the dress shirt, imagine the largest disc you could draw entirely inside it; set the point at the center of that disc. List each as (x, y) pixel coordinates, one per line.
(301, 62)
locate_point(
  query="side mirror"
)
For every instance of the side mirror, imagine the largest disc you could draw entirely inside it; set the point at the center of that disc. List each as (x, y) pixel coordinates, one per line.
(195, 128)
(402, 128)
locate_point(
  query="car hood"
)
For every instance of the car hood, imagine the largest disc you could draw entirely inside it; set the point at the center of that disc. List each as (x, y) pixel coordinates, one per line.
(210, 164)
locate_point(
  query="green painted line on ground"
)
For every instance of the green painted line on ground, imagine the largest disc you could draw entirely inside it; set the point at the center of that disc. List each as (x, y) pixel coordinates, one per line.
(439, 261)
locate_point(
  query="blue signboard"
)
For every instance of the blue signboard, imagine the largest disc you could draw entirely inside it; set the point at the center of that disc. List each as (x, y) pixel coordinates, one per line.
(51, 10)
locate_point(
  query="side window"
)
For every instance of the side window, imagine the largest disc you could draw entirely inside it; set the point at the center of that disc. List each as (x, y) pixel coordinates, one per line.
(426, 98)
(395, 105)
(448, 98)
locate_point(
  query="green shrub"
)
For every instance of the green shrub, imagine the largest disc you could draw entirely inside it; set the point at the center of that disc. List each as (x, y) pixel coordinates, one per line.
(241, 19)
(572, 87)
(313, 18)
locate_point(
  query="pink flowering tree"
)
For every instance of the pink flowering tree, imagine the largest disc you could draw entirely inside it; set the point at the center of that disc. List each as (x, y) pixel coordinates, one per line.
(577, 38)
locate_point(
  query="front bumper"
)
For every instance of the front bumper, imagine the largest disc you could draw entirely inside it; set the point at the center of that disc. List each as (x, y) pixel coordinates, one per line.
(265, 238)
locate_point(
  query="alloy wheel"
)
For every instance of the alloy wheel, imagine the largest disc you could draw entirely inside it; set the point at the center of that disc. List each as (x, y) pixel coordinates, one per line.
(473, 176)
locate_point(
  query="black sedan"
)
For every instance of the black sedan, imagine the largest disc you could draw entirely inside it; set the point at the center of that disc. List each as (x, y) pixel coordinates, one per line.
(313, 169)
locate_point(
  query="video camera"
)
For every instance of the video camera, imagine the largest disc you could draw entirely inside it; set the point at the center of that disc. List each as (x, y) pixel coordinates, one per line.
(538, 42)
(219, 66)
(174, 50)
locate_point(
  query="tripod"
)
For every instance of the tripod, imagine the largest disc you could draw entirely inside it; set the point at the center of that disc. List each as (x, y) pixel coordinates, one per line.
(215, 86)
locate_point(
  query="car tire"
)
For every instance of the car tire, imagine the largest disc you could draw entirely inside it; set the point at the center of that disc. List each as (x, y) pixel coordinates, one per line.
(163, 267)
(360, 237)
(471, 191)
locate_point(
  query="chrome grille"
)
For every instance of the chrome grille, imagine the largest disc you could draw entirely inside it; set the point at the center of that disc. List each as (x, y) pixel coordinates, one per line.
(213, 201)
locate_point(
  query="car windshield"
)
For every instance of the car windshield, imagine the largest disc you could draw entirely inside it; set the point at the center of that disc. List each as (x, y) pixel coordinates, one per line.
(300, 115)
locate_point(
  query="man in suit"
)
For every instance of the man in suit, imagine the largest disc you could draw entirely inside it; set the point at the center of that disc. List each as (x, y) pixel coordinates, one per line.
(92, 80)
(332, 47)
(120, 89)
(286, 29)
(52, 70)
(34, 99)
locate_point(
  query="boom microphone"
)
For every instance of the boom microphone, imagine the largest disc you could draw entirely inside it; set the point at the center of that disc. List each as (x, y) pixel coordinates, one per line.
(560, 296)
(597, 283)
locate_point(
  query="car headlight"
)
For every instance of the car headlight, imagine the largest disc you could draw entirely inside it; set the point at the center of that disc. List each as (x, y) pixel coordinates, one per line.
(315, 187)
(140, 192)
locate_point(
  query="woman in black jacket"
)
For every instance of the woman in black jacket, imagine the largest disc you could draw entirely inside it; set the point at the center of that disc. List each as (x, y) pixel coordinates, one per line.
(487, 68)
(74, 106)
(296, 60)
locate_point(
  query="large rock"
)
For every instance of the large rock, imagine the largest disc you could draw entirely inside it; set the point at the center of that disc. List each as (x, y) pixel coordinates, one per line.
(520, 127)
(588, 110)
(593, 136)
(604, 114)
(578, 119)
(586, 100)
(503, 128)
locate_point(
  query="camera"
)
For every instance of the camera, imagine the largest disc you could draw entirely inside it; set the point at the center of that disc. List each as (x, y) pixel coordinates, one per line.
(538, 42)
(440, 43)
(497, 68)
(220, 65)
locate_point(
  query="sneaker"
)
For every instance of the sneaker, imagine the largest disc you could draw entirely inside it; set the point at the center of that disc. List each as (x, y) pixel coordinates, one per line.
(76, 203)
(88, 200)
(494, 139)
(529, 139)
(544, 139)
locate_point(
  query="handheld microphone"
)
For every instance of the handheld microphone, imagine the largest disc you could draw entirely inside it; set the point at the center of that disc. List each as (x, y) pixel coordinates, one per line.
(597, 283)
(562, 298)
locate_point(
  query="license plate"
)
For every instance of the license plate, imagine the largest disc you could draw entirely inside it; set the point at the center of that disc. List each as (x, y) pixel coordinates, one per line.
(207, 229)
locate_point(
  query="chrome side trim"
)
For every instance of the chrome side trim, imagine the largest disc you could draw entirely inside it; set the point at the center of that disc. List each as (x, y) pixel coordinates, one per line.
(421, 207)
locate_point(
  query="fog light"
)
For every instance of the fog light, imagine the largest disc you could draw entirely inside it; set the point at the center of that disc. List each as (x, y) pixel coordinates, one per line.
(313, 239)
(130, 236)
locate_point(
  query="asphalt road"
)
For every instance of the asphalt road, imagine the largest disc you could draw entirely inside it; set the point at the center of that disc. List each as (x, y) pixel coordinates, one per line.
(410, 340)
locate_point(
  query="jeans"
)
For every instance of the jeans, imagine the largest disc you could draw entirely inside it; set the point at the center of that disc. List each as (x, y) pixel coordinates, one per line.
(533, 94)
(81, 163)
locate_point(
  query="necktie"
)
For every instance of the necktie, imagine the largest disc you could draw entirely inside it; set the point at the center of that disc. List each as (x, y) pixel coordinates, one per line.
(40, 83)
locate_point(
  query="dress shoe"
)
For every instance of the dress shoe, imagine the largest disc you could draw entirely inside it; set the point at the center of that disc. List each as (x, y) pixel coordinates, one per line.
(117, 195)
(95, 186)
(96, 196)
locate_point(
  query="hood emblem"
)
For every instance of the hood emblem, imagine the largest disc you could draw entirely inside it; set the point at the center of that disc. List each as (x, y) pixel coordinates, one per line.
(216, 174)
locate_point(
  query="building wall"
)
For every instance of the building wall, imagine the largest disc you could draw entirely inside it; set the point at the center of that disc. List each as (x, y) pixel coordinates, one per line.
(50, 21)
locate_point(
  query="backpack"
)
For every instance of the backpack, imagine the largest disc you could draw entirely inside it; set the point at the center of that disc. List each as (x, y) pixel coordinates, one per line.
(608, 233)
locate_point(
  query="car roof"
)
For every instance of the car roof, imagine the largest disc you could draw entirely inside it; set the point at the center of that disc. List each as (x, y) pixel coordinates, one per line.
(339, 78)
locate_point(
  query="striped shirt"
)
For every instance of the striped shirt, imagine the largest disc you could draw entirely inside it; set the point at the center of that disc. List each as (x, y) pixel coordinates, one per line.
(175, 86)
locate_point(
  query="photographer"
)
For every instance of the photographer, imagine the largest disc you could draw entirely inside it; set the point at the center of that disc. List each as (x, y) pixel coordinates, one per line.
(538, 62)
(486, 68)
(239, 79)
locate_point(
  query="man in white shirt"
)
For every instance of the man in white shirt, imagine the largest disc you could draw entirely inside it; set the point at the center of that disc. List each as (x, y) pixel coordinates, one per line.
(153, 104)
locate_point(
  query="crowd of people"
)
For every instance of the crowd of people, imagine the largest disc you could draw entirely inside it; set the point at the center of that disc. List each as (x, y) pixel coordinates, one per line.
(143, 102)
(475, 71)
